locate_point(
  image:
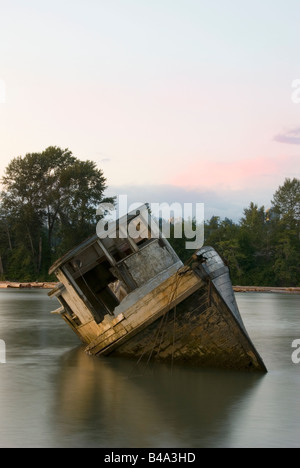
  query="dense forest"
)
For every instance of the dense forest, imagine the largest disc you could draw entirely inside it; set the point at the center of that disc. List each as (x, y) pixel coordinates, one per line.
(263, 248)
(48, 205)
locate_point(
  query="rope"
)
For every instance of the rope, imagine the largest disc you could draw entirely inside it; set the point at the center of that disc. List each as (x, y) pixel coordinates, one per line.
(92, 292)
(164, 319)
(179, 273)
(172, 362)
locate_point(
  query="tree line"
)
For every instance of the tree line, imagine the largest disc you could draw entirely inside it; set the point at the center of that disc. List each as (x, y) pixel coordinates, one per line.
(263, 248)
(48, 205)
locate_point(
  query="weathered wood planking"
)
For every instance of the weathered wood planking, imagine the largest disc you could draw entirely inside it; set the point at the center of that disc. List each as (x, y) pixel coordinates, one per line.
(208, 336)
(166, 311)
(143, 312)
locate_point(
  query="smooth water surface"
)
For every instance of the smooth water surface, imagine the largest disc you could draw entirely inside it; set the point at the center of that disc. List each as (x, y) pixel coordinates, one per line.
(53, 395)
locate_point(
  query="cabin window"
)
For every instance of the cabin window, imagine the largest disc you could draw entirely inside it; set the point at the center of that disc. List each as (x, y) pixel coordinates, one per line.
(95, 286)
(102, 272)
(122, 249)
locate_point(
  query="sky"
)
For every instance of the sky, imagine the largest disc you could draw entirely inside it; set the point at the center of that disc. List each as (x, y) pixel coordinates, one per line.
(189, 101)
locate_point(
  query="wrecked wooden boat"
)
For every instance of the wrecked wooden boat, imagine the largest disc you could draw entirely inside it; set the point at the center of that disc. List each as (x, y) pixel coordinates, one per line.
(132, 296)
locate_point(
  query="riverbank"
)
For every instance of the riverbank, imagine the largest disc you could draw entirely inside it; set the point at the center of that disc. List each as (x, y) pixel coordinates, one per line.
(266, 289)
(35, 285)
(45, 285)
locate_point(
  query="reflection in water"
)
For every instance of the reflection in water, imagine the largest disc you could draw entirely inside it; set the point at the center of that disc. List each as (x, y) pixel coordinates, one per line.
(53, 395)
(273, 320)
(152, 407)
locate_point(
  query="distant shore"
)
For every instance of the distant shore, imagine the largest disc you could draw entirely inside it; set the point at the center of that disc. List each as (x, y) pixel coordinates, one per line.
(31, 285)
(266, 289)
(49, 285)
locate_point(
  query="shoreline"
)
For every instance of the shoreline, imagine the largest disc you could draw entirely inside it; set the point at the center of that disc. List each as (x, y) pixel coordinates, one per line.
(267, 289)
(31, 285)
(237, 289)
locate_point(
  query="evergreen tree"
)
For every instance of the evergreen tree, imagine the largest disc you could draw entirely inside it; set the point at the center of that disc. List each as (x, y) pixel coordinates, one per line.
(48, 205)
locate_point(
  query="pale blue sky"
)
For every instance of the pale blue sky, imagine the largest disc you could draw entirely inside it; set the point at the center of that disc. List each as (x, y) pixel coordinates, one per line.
(157, 92)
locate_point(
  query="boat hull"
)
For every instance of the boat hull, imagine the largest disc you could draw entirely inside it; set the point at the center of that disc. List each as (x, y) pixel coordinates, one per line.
(133, 297)
(201, 331)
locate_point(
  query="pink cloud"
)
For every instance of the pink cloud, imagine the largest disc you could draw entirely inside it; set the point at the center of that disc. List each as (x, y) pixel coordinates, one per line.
(236, 175)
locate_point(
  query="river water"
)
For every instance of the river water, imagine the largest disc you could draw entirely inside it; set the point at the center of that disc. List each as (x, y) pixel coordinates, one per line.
(53, 395)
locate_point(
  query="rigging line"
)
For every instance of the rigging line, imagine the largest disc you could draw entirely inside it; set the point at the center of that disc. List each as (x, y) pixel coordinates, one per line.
(163, 331)
(161, 328)
(201, 308)
(174, 323)
(155, 339)
(209, 292)
(172, 294)
(145, 351)
(189, 260)
(175, 310)
(84, 280)
(175, 286)
(165, 316)
(162, 325)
